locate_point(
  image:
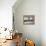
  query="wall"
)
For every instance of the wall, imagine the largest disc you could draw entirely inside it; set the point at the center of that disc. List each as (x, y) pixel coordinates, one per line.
(6, 13)
(28, 7)
(43, 22)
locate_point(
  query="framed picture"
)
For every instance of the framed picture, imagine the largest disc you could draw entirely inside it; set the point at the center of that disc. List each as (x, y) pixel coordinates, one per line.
(28, 19)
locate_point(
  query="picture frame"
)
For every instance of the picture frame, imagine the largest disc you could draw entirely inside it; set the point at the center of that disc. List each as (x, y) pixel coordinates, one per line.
(28, 19)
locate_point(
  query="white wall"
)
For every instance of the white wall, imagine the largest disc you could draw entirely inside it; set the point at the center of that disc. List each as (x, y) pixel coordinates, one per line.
(43, 22)
(36, 32)
(29, 7)
(6, 13)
